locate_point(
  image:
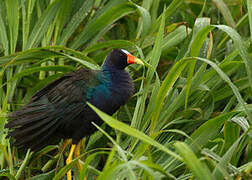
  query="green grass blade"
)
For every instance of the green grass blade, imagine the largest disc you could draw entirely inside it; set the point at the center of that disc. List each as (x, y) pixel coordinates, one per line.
(145, 21)
(101, 22)
(63, 13)
(154, 59)
(83, 62)
(42, 25)
(88, 160)
(12, 8)
(199, 169)
(199, 37)
(26, 19)
(75, 21)
(243, 51)
(208, 131)
(154, 10)
(3, 36)
(109, 44)
(120, 151)
(24, 163)
(32, 70)
(11, 177)
(173, 6)
(175, 37)
(166, 87)
(249, 6)
(132, 132)
(221, 167)
(233, 87)
(225, 12)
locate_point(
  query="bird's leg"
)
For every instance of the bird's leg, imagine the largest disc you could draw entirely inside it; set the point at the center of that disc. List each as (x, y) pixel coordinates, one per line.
(77, 153)
(69, 160)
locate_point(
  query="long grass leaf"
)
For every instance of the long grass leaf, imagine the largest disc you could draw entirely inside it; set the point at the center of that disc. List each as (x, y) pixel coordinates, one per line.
(131, 131)
(249, 6)
(243, 51)
(145, 21)
(155, 56)
(199, 169)
(38, 69)
(42, 25)
(109, 44)
(3, 36)
(101, 22)
(197, 42)
(12, 7)
(222, 165)
(233, 87)
(173, 6)
(208, 131)
(166, 87)
(75, 21)
(225, 12)
(61, 18)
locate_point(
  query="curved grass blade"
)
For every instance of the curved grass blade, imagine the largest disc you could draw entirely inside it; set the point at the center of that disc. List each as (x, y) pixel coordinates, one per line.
(42, 25)
(101, 22)
(208, 131)
(199, 37)
(11, 177)
(26, 20)
(145, 21)
(120, 151)
(225, 12)
(108, 44)
(241, 47)
(26, 57)
(23, 165)
(173, 6)
(166, 87)
(221, 167)
(173, 75)
(88, 160)
(60, 21)
(41, 68)
(75, 21)
(83, 62)
(131, 131)
(154, 59)
(199, 169)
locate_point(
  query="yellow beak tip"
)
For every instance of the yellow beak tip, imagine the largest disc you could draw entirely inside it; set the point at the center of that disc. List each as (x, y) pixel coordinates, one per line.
(139, 61)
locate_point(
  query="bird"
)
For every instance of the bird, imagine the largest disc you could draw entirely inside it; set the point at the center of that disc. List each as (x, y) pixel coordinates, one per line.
(60, 109)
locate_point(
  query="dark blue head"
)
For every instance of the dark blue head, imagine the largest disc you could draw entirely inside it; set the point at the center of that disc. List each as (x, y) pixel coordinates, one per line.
(119, 59)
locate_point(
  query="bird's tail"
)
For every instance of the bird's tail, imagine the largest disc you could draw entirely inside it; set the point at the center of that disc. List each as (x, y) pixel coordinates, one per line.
(33, 125)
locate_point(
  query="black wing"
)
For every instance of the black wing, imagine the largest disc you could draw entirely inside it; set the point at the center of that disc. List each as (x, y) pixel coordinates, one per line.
(36, 123)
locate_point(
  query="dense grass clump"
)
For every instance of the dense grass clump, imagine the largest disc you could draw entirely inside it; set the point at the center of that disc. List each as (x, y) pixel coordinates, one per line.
(191, 115)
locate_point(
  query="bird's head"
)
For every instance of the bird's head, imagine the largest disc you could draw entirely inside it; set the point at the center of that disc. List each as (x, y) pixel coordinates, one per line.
(120, 58)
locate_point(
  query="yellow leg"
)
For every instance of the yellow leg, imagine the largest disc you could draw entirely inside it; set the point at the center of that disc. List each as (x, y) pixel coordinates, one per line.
(77, 153)
(69, 160)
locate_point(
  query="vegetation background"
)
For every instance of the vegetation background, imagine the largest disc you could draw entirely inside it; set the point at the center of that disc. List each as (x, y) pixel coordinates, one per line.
(191, 115)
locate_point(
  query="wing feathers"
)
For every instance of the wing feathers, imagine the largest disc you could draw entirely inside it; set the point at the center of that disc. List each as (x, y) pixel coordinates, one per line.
(56, 105)
(33, 137)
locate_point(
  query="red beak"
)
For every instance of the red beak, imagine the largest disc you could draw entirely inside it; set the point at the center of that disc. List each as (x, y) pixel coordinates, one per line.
(133, 60)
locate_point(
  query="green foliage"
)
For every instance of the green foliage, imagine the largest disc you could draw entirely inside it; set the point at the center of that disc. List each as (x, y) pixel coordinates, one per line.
(191, 115)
